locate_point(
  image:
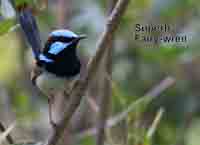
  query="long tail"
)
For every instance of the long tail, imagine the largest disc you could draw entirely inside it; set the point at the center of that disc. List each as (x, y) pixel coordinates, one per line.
(29, 26)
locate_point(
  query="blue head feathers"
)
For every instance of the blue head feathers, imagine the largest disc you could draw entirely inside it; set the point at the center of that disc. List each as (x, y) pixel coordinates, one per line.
(58, 46)
(63, 33)
(56, 43)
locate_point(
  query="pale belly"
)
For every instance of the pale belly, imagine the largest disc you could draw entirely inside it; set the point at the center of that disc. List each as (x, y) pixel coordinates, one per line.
(49, 84)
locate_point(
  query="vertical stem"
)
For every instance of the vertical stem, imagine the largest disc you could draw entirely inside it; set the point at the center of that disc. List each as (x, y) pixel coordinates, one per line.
(106, 95)
(63, 13)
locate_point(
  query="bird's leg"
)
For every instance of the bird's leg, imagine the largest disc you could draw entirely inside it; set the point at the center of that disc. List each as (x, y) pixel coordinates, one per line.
(50, 102)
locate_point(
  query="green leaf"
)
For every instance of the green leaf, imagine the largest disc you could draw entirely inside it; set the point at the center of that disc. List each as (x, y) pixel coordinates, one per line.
(7, 25)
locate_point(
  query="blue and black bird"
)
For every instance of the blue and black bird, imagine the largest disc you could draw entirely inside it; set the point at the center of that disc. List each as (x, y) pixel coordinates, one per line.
(58, 61)
(57, 64)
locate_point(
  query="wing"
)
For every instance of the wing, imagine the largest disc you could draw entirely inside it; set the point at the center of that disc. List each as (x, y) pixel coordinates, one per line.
(54, 49)
(29, 26)
(51, 53)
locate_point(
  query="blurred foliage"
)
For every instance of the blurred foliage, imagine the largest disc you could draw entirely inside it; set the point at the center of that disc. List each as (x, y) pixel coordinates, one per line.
(22, 2)
(162, 54)
(9, 54)
(6, 26)
(87, 141)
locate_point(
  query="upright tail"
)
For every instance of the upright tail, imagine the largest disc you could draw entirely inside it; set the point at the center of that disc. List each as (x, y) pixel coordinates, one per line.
(29, 26)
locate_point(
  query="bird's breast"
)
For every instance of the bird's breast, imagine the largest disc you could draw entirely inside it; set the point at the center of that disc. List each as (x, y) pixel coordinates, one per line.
(49, 83)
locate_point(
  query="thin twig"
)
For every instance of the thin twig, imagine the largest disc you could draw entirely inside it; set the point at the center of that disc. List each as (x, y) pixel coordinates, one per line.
(105, 96)
(148, 97)
(93, 105)
(6, 133)
(155, 123)
(103, 112)
(81, 86)
(64, 10)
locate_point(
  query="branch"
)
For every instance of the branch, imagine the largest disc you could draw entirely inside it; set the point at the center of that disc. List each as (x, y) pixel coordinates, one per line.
(64, 11)
(7, 135)
(80, 86)
(105, 96)
(156, 121)
(147, 98)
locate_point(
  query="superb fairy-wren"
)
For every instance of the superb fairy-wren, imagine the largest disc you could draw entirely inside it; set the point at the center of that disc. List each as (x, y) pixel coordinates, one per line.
(58, 63)
(58, 60)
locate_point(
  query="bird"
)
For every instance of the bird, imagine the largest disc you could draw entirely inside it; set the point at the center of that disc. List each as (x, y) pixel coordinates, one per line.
(57, 65)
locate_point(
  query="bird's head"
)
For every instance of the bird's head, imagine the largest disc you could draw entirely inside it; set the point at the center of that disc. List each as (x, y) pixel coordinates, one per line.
(60, 51)
(60, 40)
(64, 36)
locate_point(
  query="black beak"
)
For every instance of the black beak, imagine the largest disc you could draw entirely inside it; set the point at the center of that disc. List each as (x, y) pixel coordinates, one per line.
(80, 37)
